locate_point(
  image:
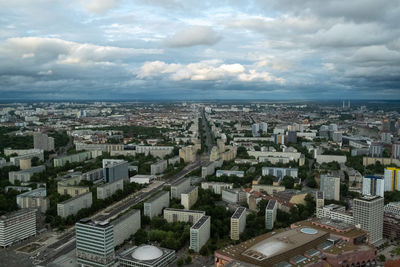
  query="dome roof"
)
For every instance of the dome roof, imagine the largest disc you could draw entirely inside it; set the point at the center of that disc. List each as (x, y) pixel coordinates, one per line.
(146, 253)
(309, 231)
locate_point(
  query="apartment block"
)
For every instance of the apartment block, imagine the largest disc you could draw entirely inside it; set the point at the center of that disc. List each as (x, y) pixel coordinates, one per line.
(330, 185)
(42, 141)
(107, 190)
(34, 199)
(73, 205)
(25, 175)
(180, 186)
(238, 223)
(158, 167)
(125, 226)
(280, 172)
(270, 213)
(179, 215)
(216, 187)
(200, 233)
(16, 226)
(155, 205)
(189, 197)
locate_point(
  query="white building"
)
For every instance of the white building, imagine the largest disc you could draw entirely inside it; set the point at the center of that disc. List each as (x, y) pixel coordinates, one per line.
(335, 212)
(270, 213)
(107, 190)
(280, 172)
(216, 187)
(125, 226)
(155, 205)
(200, 233)
(189, 197)
(73, 205)
(230, 173)
(238, 223)
(17, 226)
(179, 186)
(330, 185)
(142, 179)
(179, 215)
(373, 185)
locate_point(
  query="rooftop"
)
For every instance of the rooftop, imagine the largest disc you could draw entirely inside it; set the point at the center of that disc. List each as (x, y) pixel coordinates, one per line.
(271, 204)
(188, 211)
(200, 222)
(238, 212)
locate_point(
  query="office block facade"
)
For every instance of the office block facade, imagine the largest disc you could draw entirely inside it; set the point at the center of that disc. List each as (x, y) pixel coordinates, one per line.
(270, 213)
(94, 243)
(115, 170)
(330, 185)
(200, 233)
(17, 226)
(179, 215)
(155, 205)
(238, 223)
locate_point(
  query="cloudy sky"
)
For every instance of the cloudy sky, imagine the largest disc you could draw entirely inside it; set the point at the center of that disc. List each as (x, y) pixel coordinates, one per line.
(192, 49)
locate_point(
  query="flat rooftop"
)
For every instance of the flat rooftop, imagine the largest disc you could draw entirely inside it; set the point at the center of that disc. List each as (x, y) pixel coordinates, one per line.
(238, 212)
(188, 211)
(200, 222)
(354, 232)
(271, 204)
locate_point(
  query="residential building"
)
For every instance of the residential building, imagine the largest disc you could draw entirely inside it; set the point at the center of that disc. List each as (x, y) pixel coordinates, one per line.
(216, 187)
(255, 129)
(392, 179)
(220, 173)
(114, 170)
(17, 226)
(155, 151)
(94, 243)
(179, 215)
(155, 205)
(200, 233)
(330, 185)
(280, 172)
(188, 153)
(392, 208)
(373, 185)
(396, 150)
(270, 213)
(319, 199)
(42, 141)
(94, 175)
(34, 199)
(80, 157)
(99, 147)
(158, 167)
(179, 186)
(376, 150)
(107, 190)
(368, 213)
(24, 175)
(335, 212)
(73, 205)
(125, 226)
(330, 158)
(238, 223)
(189, 197)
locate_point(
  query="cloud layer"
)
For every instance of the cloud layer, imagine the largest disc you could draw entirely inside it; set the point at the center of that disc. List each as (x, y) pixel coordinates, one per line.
(187, 49)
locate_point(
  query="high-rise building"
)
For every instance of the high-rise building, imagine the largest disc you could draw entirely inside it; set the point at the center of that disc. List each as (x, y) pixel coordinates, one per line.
(94, 243)
(255, 129)
(263, 126)
(376, 150)
(373, 185)
(238, 223)
(17, 226)
(330, 185)
(115, 169)
(319, 199)
(386, 137)
(42, 141)
(396, 150)
(291, 137)
(200, 233)
(270, 213)
(368, 214)
(391, 176)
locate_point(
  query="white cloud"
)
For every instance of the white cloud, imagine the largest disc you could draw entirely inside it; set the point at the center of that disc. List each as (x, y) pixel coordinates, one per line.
(253, 75)
(48, 72)
(192, 36)
(99, 7)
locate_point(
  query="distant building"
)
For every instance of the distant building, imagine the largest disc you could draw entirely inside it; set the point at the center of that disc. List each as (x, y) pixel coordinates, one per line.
(238, 223)
(280, 172)
(188, 153)
(230, 173)
(142, 179)
(255, 129)
(16, 226)
(270, 213)
(155, 205)
(179, 215)
(80, 157)
(368, 213)
(34, 199)
(94, 243)
(179, 186)
(107, 190)
(375, 150)
(330, 185)
(155, 151)
(125, 226)
(189, 197)
(335, 212)
(216, 187)
(392, 179)
(373, 185)
(319, 199)
(73, 205)
(291, 137)
(158, 167)
(396, 150)
(115, 170)
(200, 233)
(25, 175)
(42, 141)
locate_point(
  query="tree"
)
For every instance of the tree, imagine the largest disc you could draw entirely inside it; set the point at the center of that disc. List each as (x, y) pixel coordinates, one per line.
(180, 262)
(382, 258)
(288, 182)
(141, 237)
(188, 260)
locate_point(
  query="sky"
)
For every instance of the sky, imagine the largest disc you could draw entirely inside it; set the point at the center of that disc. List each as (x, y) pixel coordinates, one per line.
(192, 49)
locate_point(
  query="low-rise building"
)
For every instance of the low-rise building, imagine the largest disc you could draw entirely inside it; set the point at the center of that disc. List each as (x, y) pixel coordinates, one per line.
(189, 197)
(200, 233)
(142, 179)
(17, 226)
(179, 215)
(73, 205)
(335, 212)
(155, 205)
(238, 223)
(107, 190)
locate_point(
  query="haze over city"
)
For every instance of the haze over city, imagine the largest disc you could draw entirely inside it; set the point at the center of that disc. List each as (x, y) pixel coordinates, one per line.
(119, 49)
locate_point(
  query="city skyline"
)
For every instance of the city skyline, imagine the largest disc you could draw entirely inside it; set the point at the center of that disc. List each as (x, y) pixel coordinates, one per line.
(116, 49)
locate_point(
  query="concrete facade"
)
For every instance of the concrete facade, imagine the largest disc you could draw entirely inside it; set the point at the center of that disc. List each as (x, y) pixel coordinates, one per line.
(155, 205)
(107, 190)
(73, 205)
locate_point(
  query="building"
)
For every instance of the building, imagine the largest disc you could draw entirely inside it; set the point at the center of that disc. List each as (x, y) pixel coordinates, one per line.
(125, 226)
(25, 175)
(99, 147)
(291, 137)
(107, 190)
(376, 150)
(396, 150)
(270, 213)
(335, 212)
(94, 243)
(189, 197)
(200, 233)
(16, 226)
(174, 160)
(337, 137)
(34, 199)
(392, 176)
(220, 173)
(42, 141)
(392, 208)
(255, 130)
(146, 256)
(238, 223)
(216, 187)
(155, 151)
(179, 215)
(94, 175)
(209, 169)
(70, 186)
(158, 167)
(155, 205)
(142, 179)
(319, 200)
(23, 152)
(330, 185)
(80, 157)
(115, 169)
(280, 172)
(230, 195)
(368, 213)
(373, 185)
(330, 158)
(179, 186)
(188, 153)
(25, 163)
(73, 205)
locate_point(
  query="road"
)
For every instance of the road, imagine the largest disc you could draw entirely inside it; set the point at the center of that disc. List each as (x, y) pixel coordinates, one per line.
(67, 242)
(210, 140)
